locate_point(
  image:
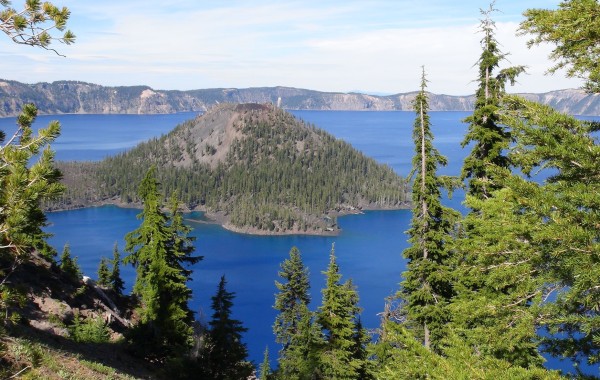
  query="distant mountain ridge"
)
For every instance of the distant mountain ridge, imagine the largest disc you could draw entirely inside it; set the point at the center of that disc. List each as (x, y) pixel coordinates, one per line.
(80, 97)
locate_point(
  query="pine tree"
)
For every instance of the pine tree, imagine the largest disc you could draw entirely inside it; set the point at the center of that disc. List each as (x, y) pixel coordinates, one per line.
(565, 232)
(302, 357)
(489, 138)
(265, 367)
(573, 29)
(295, 327)
(25, 186)
(360, 354)
(182, 244)
(32, 25)
(68, 265)
(147, 246)
(115, 281)
(498, 279)
(160, 278)
(427, 285)
(338, 317)
(103, 273)
(409, 359)
(568, 203)
(292, 298)
(28, 177)
(227, 354)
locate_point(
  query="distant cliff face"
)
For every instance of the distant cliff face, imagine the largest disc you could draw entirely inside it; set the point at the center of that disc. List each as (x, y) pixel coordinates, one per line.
(80, 97)
(573, 102)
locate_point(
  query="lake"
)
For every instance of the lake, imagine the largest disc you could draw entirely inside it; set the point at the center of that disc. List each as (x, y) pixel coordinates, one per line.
(368, 249)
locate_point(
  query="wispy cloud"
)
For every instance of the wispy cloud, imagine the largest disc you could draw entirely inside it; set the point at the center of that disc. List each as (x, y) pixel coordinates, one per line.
(333, 45)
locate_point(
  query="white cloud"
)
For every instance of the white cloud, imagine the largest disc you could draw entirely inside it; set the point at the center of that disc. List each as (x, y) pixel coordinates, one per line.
(330, 46)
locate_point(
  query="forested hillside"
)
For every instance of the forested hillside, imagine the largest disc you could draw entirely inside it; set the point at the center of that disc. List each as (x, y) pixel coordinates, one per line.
(260, 167)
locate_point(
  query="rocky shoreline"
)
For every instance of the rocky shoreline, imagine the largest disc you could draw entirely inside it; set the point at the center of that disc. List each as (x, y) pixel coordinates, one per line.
(220, 218)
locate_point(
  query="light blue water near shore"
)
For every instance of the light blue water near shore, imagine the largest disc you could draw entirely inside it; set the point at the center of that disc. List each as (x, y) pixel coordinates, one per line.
(368, 249)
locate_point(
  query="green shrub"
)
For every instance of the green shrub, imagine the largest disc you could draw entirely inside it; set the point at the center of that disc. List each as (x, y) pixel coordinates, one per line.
(89, 331)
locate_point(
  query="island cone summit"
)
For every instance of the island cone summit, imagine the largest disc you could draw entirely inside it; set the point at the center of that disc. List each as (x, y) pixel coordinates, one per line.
(254, 167)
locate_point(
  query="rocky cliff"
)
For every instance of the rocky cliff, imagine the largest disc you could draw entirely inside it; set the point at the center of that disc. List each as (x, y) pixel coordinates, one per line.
(80, 97)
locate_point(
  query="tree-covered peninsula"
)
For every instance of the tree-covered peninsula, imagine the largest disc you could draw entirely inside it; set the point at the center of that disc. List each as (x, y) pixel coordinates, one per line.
(254, 166)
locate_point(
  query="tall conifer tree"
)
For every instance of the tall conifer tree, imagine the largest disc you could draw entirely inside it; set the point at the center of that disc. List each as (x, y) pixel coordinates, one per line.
(498, 279)
(290, 330)
(161, 280)
(489, 138)
(293, 295)
(227, 354)
(68, 264)
(302, 357)
(427, 285)
(103, 273)
(568, 203)
(565, 235)
(115, 281)
(265, 366)
(183, 244)
(340, 357)
(181, 251)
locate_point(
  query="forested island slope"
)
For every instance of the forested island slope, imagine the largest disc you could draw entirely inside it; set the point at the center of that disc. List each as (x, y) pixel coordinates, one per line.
(87, 98)
(254, 166)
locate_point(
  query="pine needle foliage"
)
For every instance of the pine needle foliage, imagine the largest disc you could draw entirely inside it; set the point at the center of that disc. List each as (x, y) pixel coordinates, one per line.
(103, 273)
(567, 206)
(499, 279)
(226, 356)
(26, 185)
(408, 359)
(489, 139)
(265, 367)
(301, 360)
(34, 23)
(341, 355)
(573, 30)
(155, 250)
(427, 285)
(115, 281)
(68, 264)
(291, 300)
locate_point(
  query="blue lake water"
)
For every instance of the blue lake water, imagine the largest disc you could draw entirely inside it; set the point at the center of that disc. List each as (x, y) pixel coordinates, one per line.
(94, 137)
(368, 249)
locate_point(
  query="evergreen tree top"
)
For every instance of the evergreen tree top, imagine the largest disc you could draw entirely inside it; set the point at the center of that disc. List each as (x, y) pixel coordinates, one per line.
(489, 138)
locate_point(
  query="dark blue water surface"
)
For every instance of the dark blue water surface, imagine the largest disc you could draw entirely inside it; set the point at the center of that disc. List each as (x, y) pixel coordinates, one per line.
(94, 137)
(368, 249)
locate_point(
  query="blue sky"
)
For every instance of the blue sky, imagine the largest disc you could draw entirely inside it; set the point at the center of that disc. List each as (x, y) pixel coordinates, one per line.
(376, 46)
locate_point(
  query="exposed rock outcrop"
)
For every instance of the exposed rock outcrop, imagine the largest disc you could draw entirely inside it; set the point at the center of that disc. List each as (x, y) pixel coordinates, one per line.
(80, 97)
(261, 168)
